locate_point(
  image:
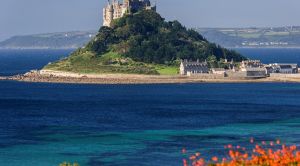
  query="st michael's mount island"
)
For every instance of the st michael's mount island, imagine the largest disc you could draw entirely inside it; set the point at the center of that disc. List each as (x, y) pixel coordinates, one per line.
(136, 45)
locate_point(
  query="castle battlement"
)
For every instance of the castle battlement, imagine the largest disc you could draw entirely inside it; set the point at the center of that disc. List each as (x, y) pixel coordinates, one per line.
(115, 9)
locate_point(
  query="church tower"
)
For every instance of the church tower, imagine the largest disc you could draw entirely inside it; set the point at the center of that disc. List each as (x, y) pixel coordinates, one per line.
(108, 14)
(115, 10)
(126, 3)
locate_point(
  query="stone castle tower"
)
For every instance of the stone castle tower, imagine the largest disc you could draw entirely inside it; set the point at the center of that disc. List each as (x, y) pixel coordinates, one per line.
(115, 9)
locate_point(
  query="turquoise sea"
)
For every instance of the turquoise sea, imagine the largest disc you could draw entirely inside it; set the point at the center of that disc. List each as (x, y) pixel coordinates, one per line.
(44, 124)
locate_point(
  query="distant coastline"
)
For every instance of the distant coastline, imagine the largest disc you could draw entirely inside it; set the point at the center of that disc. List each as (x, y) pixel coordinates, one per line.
(38, 48)
(298, 47)
(59, 40)
(254, 36)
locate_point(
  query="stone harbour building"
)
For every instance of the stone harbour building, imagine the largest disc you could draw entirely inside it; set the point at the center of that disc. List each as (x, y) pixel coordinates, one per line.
(283, 68)
(253, 69)
(115, 9)
(191, 68)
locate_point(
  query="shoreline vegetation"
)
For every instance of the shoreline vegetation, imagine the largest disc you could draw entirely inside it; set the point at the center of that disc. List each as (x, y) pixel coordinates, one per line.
(51, 76)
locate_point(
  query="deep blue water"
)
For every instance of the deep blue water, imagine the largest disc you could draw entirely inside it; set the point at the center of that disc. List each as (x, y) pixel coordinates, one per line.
(109, 125)
(272, 55)
(14, 62)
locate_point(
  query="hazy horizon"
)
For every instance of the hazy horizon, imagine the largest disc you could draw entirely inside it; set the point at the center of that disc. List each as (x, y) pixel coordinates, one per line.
(18, 17)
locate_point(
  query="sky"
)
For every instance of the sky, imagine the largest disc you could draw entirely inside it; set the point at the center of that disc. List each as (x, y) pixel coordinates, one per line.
(21, 17)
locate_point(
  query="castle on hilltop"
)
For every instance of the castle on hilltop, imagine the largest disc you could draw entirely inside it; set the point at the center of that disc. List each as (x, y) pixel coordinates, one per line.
(115, 9)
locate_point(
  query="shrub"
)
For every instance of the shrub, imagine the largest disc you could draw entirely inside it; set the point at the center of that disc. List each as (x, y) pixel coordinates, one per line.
(271, 153)
(68, 164)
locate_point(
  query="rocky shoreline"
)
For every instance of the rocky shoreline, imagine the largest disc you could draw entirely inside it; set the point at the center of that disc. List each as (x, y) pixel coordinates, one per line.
(48, 76)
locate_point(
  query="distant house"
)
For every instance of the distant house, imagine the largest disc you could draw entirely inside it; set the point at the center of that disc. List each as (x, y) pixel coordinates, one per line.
(284, 68)
(191, 68)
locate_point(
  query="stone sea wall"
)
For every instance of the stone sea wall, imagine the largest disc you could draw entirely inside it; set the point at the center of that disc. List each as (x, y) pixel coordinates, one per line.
(279, 75)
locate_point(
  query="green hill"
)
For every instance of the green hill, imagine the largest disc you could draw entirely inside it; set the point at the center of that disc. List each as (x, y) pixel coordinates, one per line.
(142, 43)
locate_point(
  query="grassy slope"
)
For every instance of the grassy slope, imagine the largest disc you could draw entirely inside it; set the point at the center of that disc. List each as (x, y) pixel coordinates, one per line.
(109, 63)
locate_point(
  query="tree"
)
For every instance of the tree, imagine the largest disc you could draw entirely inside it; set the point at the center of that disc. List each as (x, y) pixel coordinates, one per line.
(212, 61)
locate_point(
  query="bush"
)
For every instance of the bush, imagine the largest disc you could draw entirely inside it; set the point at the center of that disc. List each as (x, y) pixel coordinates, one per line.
(271, 153)
(68, 164)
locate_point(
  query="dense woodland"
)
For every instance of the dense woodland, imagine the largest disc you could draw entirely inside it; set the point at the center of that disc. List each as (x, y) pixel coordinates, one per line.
(146, 37)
